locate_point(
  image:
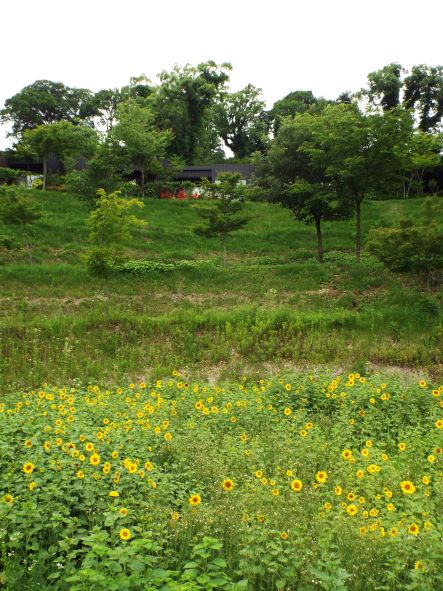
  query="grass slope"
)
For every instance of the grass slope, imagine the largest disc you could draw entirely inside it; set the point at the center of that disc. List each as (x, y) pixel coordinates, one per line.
(273, 303)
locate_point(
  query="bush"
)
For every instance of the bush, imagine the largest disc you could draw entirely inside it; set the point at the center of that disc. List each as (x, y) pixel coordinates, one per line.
(17, 206)
(102, 261)
(409, 248)
(8, 176)
(144, 267)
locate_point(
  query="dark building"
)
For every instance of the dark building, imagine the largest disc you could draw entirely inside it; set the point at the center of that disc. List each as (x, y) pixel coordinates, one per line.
(211, 171)
(189, 173)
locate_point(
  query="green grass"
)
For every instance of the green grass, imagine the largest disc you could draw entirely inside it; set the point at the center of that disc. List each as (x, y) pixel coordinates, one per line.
(272, 304)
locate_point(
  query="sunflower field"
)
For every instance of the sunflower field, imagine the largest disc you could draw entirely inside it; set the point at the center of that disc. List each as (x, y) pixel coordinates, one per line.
(294, 482)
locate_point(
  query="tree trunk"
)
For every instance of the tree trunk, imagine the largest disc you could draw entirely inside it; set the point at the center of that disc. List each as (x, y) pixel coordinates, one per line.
(319, 240)
(358, 230)
(143, 181)
(225, 252)
(45, 172)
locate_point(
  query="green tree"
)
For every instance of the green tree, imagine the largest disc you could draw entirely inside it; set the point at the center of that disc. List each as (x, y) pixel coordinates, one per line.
(144, 143)
(362, 155)
(385, 86)
(44, 102)
(107, 169)
(110, 226)
(183, 103)
(413, 246)
(242, 121)
(295, 103)
(111, 221)
(293, 178)
(222, 217)
(423, 92)
(63, 139)
(423, 153)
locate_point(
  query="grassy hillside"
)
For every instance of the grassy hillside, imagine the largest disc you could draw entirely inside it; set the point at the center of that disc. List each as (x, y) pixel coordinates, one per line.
(273, 304)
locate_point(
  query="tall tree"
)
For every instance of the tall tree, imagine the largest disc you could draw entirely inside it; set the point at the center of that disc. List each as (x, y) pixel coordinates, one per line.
(44, 102)
(361, 154)
(183, 103)
(295, 103)
(385, 85)
(296, 180)
(242, 121)
(424, 93)
(62, 139)
(145, 145)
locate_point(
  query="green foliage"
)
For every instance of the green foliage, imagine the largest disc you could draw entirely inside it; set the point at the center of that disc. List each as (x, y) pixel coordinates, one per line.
(144, 144)
(410, 247)
(184, 103)
(44, 102)
(18, 207)
(222, 218)
(360, 154)
(144, 267)
(106, 170)
(120, 517)
(385, 85)
(242, 121)
(110, 223)
(8, 176)
(102, 261)
(296, 180)
(294, 104)
(424, 92)
(63, 139)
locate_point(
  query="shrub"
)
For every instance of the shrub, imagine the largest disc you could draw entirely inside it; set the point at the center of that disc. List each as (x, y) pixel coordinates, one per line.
(17, 206)
(8, 176)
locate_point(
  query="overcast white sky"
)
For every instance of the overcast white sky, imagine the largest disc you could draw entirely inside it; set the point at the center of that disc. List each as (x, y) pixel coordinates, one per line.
(327, 46)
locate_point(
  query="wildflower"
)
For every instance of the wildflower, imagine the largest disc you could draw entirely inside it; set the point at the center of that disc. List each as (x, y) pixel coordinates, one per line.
(8, 499)
(407, 487)
(425, 480)
(259, 474)
(402, 446)
(80, 474)
(414, 529)
(28, 468)
(95, 459)
(195, 500)
(284, 535)
(114, 493)
(351, 510)
(123, 511)
(287, 412)
(296, 485)
(338, 490)
(125, 534)
(321, 476)
(228, 484)
(346, 454)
